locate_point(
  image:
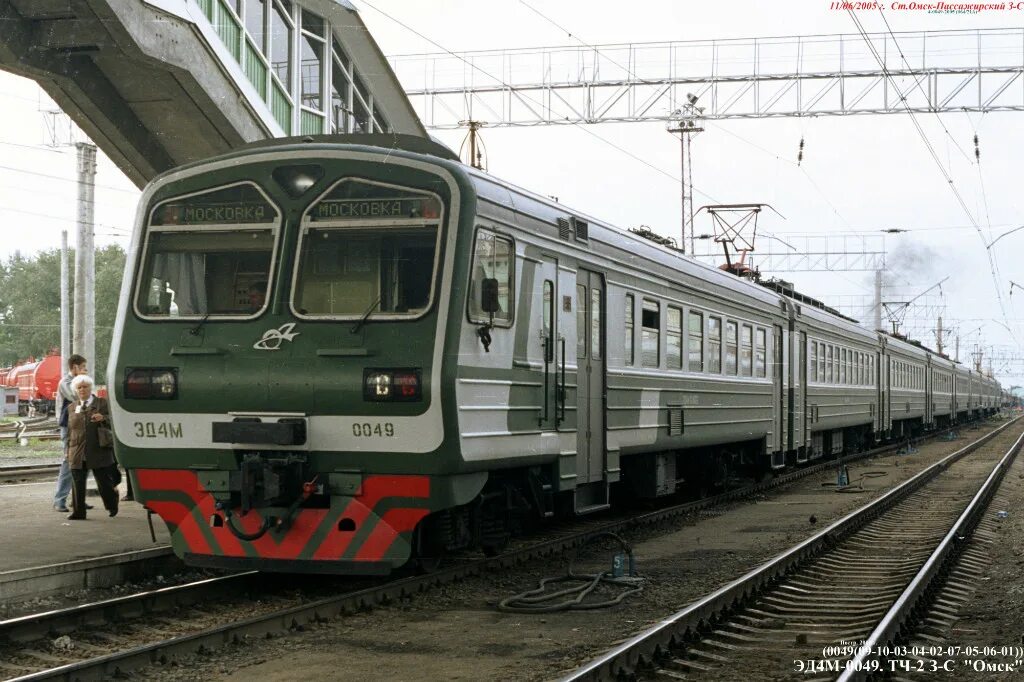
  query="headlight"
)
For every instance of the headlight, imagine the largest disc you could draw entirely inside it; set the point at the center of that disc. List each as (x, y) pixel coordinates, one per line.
(392, 385)
(151, 383)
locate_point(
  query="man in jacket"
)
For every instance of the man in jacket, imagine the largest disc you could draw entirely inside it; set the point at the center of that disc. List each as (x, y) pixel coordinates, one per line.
(76, 365)
(88, 449)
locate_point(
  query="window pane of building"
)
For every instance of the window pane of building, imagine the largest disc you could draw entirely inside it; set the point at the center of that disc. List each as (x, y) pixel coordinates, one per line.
(311, 73)
(281, 46)
(254, 23)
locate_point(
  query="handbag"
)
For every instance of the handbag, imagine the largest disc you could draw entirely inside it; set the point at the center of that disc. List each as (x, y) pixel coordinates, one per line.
(105, 437)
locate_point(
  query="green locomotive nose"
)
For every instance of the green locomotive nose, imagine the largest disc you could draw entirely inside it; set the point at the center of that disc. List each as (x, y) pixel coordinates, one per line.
(281, 350)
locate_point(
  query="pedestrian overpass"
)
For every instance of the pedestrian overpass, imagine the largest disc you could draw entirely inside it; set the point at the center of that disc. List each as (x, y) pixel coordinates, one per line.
(159, 83)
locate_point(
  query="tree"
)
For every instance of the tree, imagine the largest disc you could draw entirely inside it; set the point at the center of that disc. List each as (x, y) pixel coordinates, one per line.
(30, 305)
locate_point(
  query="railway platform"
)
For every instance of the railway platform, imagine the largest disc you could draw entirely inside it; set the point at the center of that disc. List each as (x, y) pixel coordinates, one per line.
(33, 535)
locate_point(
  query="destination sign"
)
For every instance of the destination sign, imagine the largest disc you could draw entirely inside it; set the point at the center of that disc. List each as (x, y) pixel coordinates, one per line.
(381, 209)
(236, 205)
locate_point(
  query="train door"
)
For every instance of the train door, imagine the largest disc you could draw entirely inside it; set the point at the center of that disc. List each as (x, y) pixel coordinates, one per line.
(802, 418)
(591, 481)
(547, 343)
(781, 427)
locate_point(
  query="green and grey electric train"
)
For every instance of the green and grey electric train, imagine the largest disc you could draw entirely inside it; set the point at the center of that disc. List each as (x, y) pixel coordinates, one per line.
(337, 354)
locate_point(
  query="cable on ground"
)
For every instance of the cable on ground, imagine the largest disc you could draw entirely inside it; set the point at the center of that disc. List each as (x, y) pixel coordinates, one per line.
(573, 598)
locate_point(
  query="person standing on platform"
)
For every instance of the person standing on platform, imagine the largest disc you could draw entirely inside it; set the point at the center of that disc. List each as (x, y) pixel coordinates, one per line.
(76, 365)
(87, 448)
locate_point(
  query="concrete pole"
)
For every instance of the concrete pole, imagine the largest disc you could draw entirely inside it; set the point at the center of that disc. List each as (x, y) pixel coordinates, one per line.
(938, 336)
(878, 299)
(65, 326)
(85, 262)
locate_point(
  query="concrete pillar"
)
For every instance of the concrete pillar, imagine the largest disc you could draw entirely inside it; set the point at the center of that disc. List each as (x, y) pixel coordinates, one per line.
(85, 260)
(65, 323)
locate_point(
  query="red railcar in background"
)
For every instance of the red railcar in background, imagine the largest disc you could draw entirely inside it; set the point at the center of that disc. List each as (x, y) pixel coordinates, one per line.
(36, 382)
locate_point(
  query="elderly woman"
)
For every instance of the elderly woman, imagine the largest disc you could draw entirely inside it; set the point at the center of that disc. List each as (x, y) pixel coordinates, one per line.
(85, 417)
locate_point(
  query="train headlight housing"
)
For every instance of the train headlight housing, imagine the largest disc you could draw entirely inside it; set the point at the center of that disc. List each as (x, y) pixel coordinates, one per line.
(392, 385)
(151, 383)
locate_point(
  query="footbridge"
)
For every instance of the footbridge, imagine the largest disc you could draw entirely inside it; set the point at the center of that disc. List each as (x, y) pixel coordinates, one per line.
(159, 83)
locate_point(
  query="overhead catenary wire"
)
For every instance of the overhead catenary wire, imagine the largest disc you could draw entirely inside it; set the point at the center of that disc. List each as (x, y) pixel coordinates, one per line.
(931, 150)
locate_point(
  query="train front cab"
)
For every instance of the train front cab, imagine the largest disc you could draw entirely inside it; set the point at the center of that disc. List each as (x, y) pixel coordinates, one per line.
(279, 359)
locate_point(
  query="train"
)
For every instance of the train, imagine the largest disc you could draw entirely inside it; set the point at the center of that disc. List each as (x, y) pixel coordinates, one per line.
(349, 354)
(36, 381)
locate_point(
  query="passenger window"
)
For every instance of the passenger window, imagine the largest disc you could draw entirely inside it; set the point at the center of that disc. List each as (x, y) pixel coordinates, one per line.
(628, 352)
(821, 363)
(813, 362)
(731, 347)
(761, 353)
(549, 318)
(714, 345)
(696, 349)
(674, 338)
(493, 258)
(831, 365)
(650, 341)
(747, 351)
(581, 321)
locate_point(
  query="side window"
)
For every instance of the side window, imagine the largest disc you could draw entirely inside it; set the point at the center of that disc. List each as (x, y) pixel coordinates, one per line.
(747, 351)
(842, 365)
(549, 318)
(628, 352)
(830, 376)
(581, 321)
(674, 338)
(650, 341)
(714, 343)
(731, 347)
(821, 363)
(493, 258)
(813, 362)
(761, 353)
(696, 348)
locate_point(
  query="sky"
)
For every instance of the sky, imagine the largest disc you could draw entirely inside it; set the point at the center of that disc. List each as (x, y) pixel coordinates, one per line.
(859, 174)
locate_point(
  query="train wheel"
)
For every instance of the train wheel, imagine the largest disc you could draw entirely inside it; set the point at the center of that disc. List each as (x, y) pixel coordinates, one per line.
(428, 551)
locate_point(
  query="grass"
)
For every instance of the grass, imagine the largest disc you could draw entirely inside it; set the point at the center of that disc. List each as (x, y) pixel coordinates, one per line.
(10, 447)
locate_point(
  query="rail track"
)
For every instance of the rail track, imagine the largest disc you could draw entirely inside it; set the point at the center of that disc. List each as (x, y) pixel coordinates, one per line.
(858, 579)
(20, 473)
(160, 612)
(43, 428)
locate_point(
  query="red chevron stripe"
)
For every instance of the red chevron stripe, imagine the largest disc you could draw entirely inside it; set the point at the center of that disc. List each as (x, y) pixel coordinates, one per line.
(180, 480)
(384, 534)
(185, 524)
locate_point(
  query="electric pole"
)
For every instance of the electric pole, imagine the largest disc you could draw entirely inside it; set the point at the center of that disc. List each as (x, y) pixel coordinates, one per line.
(65, 326)
(878, 300)
(686, 122)
(85, 261)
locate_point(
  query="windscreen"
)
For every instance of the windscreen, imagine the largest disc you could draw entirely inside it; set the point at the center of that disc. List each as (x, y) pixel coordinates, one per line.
(369, 250)
(208, 254)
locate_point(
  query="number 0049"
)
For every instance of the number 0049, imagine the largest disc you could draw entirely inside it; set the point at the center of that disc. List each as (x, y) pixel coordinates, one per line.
(375, 430)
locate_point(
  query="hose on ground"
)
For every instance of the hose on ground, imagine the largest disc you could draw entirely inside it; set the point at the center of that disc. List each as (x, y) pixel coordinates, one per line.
(573, 598)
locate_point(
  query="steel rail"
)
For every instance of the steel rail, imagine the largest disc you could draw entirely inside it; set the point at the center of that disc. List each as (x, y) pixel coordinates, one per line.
(901, 612)
(646, 646)
(120, 663)
(62, 621)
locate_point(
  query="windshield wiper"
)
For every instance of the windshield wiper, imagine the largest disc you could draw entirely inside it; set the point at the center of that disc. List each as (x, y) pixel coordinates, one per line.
(366, 315)
(194, 331)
